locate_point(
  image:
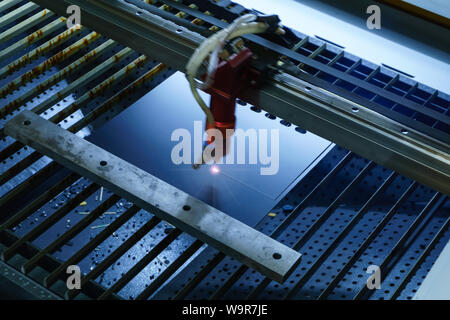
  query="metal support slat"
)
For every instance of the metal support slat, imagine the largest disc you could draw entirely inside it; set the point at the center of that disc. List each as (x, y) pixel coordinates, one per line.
(32, 38)
(17, 14)
(37, 90)
(59, 57)
(29, 285)
(48, 262)
(117, 98)
(6, 4)
(93, 114)
(19, 167)
(25, 25)
(368, 78)
(99, 89)
(332, 62)
(229, 283)
(300, 44)
(392, 81)
(39, 51)
(313, 228)
(30, 183)
(431, 97)
(96, 72)
(336, 58)
(355, 65)
(314, 54)
(292, 215)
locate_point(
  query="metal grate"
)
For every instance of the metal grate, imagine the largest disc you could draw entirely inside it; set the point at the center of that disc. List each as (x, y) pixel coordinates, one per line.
(345, 215)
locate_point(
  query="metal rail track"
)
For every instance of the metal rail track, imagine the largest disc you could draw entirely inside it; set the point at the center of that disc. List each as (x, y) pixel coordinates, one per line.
(125, 252)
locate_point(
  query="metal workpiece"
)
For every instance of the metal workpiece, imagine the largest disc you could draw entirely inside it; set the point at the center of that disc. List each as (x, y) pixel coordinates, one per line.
(206, 223)
(370, 129)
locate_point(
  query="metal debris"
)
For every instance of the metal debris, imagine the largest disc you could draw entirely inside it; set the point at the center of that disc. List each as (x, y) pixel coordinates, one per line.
(100, 226)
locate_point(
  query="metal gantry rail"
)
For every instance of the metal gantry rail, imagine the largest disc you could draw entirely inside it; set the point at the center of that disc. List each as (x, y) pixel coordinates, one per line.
(345, 215)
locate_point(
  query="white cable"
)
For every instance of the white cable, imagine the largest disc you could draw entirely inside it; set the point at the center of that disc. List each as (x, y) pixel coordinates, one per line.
(213, 46)
(214, 58)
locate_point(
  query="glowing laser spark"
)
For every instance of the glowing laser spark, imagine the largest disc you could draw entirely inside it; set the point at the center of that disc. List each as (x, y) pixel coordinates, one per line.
(214, 170)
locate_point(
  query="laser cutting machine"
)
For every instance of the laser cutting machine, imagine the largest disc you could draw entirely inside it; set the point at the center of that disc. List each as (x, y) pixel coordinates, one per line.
(328, 143)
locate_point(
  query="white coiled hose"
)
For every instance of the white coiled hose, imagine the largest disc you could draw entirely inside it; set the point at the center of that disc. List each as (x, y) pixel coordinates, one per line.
(213, 46)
